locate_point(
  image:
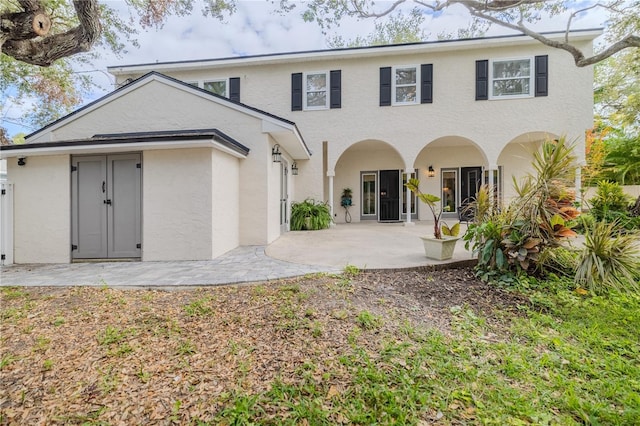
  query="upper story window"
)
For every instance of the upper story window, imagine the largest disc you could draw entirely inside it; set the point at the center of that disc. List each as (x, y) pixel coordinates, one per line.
(226, 87)
(405, 85)
(512, 78)
(315, 92)
(219, 87)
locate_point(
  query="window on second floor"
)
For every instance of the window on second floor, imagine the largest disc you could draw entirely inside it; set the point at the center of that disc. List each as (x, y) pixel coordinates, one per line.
(315, 92)
(219, 87)
(511, 78)
(405, 85)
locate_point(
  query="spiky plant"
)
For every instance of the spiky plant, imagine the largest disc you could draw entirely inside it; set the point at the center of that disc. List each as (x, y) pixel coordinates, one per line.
(610, 259)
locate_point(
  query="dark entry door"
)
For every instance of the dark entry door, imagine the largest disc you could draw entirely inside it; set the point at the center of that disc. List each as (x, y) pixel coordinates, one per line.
(105, 206)
(470, 181)
(389, 195)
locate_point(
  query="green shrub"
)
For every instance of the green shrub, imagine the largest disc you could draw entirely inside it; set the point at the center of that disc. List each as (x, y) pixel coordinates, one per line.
(610, 202)
(610, 259)
(310, 215)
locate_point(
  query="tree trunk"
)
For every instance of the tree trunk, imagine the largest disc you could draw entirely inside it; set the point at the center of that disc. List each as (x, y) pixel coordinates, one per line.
(22, 33)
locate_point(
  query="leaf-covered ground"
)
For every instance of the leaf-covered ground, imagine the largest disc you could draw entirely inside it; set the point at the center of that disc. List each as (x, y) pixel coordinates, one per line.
(404, 347)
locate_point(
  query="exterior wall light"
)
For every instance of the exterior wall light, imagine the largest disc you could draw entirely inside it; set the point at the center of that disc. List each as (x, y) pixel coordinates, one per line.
(294, 169)
(277, 155)
(22, 161)
(431, 173)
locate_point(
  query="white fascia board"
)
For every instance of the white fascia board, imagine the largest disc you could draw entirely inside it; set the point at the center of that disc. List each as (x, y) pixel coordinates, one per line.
(119, 147)
(288, 137)
(448, 45)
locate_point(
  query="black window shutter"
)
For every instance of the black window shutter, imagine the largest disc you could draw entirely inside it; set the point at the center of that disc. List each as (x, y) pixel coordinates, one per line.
(482, 80)
(542, 75)
(335, 84)
(296, 91)
(234, 89)
(426, 89)
(385, 86)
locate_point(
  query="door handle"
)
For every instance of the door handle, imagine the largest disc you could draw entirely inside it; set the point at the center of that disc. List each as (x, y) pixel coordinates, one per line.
(104, 186)
(107, 202)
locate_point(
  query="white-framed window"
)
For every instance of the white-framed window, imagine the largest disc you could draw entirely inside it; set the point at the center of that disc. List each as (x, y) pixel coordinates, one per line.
(449, 197)
(511, 78)
(369, 194)
(316, 90)
(405, 87)
(219, 87)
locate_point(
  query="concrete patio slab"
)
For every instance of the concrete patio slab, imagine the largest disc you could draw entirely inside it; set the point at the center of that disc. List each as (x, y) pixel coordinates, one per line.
(365, 245)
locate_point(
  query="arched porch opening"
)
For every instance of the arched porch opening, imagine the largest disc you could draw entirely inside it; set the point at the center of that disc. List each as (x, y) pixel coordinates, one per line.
(373, 170)
(453, 168)
(514, 161)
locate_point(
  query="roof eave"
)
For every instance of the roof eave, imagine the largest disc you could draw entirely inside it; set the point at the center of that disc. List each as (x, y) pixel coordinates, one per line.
(344, 53)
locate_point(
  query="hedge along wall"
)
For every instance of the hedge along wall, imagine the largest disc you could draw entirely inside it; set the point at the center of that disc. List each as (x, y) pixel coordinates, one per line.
(632, 190)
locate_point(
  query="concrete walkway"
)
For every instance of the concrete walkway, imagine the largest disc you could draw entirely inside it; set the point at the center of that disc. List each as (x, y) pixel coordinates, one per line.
(367, 246)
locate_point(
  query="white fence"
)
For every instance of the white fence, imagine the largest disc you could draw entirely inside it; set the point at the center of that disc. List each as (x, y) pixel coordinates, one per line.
(6, 223)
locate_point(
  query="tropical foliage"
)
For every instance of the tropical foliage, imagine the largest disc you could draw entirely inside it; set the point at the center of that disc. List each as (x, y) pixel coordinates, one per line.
(537, 220)
(610, 259)
(310, 215)
(436, 211)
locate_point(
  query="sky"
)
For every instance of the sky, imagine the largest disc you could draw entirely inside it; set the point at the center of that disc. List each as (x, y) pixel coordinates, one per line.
(253, 29)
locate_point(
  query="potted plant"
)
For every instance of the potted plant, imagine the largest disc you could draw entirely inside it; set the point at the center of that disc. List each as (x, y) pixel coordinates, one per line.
(436, 247)
(345, 200)
(310, 215)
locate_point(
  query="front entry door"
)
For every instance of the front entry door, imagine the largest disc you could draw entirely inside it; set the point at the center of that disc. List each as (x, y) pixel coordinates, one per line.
(105, 206)
(470, 180)
(389, 195)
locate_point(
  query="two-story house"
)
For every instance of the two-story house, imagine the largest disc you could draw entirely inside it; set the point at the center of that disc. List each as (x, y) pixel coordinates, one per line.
(187, 160)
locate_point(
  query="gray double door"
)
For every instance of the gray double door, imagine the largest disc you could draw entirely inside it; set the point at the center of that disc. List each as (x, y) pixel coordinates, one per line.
(106, 206)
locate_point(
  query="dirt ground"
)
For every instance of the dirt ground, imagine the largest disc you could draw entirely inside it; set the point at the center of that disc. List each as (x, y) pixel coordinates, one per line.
(78, 355)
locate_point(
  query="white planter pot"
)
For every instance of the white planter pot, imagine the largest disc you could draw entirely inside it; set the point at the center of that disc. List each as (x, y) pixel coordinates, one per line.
(439, 249)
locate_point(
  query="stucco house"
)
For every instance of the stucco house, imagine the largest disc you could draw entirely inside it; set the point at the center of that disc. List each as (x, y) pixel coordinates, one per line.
(187, 160)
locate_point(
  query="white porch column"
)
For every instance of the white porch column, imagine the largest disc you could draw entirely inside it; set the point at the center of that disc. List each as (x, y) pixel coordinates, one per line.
(331, 174)
(408, 221)
(579, 187)
(490, 176)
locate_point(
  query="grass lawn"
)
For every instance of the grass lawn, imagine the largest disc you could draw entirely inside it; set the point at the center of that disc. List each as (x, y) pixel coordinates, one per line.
(313, 351)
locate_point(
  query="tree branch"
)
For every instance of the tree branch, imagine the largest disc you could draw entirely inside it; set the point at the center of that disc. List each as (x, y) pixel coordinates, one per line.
(578, 56)
(44, 51)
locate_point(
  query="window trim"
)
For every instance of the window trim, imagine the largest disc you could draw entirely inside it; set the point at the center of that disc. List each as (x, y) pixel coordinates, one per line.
(216, 80)
(394, 85)
(374, 215)
(327, 90)
(532, 73)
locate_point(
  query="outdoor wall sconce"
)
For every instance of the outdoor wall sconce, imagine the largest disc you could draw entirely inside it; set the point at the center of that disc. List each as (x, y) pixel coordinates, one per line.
(277, 155)
(431, 172)
(294, 169)
(22, 161)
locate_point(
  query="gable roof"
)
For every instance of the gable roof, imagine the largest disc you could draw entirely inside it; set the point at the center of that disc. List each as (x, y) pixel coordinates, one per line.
(295, 143)
(351, 52)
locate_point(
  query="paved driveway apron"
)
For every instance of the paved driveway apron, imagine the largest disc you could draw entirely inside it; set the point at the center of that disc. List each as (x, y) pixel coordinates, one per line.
(241, 265)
